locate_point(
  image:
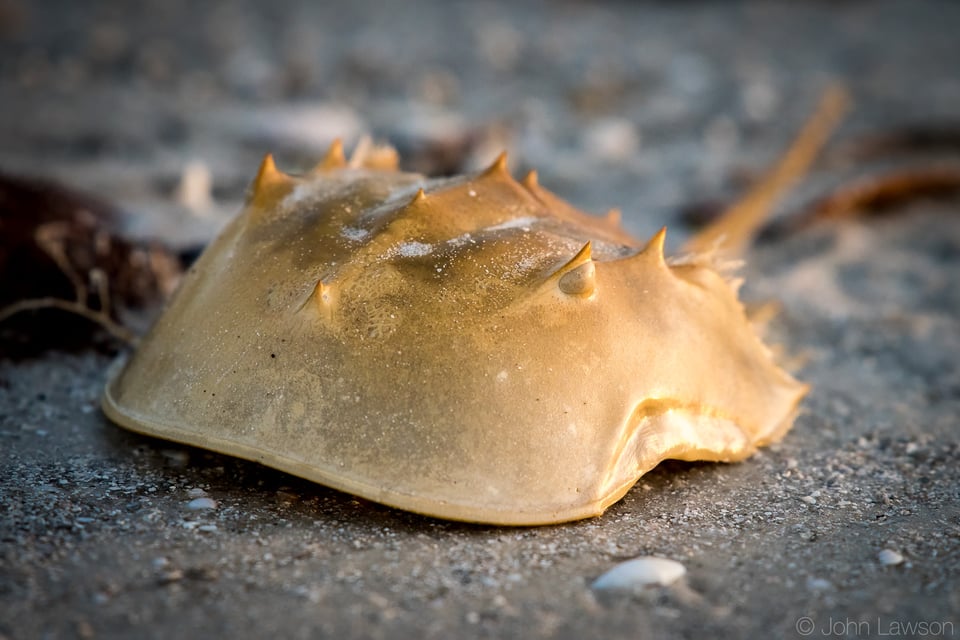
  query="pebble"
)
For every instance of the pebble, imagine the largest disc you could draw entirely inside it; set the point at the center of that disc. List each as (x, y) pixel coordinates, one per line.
(202, 503)
(196, 188)
(760, 100)
(889, 558)
(611, 139)
(819, 584)
(648, 571)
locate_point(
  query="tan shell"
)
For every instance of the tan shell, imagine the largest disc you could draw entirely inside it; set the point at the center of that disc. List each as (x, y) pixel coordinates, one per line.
(472, 349)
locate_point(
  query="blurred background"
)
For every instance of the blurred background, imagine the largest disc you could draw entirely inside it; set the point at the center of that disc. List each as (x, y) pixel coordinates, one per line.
(165, 107)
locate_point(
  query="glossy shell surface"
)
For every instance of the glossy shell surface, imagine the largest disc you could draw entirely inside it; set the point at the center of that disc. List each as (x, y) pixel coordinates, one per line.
(470, 348)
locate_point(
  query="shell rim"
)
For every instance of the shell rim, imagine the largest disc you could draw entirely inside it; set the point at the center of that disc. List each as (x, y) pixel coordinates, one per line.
(396, 499)
(405, 501)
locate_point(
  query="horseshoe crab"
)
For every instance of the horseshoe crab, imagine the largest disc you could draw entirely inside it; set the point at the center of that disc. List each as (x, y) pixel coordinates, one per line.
(470, 348)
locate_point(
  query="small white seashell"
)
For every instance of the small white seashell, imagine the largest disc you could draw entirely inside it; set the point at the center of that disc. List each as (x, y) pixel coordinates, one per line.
(819, 584)
(647, 571)
(889, 558)
(198, 504)
(196, 188)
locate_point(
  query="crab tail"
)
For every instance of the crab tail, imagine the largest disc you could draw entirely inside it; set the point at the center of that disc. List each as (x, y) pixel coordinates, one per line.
(736, 228)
